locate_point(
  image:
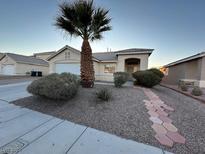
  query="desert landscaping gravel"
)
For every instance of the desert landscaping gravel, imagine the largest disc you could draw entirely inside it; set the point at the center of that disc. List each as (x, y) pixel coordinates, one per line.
(125, 115)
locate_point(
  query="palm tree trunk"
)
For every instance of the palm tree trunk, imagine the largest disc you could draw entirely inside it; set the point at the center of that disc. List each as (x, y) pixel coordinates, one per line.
(87, 70)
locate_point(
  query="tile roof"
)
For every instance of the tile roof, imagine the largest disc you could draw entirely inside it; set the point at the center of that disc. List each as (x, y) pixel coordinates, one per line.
(45, 53)
(105, 56)
(27, 59)
(132, 50)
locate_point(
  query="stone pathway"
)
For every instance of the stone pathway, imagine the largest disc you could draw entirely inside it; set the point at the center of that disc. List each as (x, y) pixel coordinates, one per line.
(24, 131)
(166, 133)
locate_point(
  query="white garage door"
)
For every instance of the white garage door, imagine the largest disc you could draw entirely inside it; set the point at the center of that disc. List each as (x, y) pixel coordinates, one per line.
(8, 70)
(69, 68)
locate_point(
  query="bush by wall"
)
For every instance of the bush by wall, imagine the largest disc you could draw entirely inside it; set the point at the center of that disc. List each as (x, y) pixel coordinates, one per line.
(157, 72)
(120, 78)
(197, 91)
(146, 78)
(55, 86)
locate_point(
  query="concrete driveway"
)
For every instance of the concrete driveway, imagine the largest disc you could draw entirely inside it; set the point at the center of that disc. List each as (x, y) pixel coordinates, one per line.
(29, 132)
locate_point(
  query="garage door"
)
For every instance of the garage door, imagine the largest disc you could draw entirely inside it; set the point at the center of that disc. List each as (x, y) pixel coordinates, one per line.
(69, 68)
(8, 70)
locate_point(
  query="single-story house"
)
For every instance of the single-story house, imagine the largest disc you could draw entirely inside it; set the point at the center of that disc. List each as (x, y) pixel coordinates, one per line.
(67, 59)
(14, 64)
(190, 69)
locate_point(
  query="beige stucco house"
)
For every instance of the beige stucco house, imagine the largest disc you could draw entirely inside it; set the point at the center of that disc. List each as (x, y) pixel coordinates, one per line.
(190, 69)
(67, 59)
(14, 64)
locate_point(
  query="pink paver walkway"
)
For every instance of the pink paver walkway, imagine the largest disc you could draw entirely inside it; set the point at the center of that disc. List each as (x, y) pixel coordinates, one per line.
(166, 133)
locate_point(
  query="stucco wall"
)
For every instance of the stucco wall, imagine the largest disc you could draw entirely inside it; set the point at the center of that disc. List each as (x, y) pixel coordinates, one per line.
(188, 70)
(143, 61)
(101, 75)
(43, 56)
(21, 69)
(99, 66)
(191, 70)
(6, 61)
(202, 76)
(60, 58)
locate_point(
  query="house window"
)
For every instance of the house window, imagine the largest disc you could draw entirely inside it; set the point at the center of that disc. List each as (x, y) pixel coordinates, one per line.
(109, 69)
(67, 55)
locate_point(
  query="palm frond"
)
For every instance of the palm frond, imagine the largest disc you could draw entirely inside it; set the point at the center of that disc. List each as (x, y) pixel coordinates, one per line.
(81, 18)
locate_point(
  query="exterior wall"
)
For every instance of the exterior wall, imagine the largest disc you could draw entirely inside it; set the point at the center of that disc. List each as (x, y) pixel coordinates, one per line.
(21, 69)
(74, 58)
(6, 61)
(99, 66)
(143, 61)
(101, 75)
(202, 73)
(42, 56)
(174, 74)
(192, 70)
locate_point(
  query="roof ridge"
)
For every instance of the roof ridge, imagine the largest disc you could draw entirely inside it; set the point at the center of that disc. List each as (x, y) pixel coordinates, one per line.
(25, 56)
(188, 58)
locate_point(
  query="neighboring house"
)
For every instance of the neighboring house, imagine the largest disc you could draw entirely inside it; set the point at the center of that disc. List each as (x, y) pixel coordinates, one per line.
(14, 64)
(1, 55)
(43, 55)
(67, 59)
(190, 69)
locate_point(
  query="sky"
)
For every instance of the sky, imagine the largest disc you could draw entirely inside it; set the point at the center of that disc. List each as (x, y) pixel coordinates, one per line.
(174, 28)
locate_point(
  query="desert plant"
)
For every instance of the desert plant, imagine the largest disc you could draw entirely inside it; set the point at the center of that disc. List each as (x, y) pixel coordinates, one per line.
(55, 86)
(184, 87)
(196, 91)
(120, 78)
(146, 78)
(104, 94)
(82, 19)
(157, 72)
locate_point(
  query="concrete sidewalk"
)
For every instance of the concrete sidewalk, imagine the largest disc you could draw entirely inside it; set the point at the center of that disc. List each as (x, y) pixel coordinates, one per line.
(29, 132)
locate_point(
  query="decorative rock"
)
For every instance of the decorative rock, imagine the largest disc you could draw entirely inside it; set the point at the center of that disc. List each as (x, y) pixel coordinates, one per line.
(146, 101)
(168, 108)
(153, 114)
(155, 120)
(150, 108)
(160, 112)
(165, 119)
(164, 140)
(158, 108)
(148, 104)
(159, 129)
(176, 137)
(170, 127)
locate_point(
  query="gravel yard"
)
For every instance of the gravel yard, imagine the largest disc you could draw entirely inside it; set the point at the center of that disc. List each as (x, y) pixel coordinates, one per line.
(126, 116)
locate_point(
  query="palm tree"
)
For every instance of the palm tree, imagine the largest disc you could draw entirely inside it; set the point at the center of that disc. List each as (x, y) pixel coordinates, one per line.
(82, 18)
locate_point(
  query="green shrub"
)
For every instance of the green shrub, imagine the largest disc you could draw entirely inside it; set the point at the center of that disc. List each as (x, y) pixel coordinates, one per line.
(146, 78)
(157, 72)
(120, 78)
(197, 91)
(55, 86)
(184, 87)
(104, 94)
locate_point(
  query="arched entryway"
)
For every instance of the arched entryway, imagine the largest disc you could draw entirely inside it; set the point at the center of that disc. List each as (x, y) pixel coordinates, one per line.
(132, 65)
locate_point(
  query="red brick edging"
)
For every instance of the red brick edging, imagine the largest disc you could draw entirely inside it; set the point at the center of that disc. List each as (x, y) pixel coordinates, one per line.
(185, 93)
